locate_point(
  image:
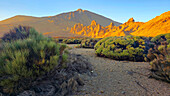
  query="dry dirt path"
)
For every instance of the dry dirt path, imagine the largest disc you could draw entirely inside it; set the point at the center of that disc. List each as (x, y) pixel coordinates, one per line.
(119, 78)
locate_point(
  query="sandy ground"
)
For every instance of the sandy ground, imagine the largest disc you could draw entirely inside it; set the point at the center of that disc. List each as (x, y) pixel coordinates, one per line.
(119, 78)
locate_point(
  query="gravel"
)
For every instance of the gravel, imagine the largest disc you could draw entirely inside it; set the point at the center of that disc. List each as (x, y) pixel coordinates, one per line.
(119, 78)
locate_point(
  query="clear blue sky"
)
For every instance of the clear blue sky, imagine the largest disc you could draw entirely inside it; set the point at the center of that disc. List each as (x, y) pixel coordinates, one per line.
(118, 10)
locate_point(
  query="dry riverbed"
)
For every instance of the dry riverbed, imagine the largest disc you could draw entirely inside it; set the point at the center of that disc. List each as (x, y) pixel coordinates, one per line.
(119, 78)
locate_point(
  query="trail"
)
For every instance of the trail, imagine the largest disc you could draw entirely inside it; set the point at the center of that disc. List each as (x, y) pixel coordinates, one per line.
(119, 78)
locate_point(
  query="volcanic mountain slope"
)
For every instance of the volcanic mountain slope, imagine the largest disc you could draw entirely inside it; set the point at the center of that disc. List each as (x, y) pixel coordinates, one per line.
(97, 31)
(154, 27)
(58, 25)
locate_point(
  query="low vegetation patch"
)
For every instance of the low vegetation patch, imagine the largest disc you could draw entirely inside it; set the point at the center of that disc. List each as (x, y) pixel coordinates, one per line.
(159, 57)
(20, 32)
(28, 57)
(72, 41)
(160, 38)
(88, 43)
(132, 48)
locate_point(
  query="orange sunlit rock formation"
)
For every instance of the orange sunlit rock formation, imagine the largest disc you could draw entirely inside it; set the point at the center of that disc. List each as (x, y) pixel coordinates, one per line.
(94, 30)
(97, 31)
(154, 27)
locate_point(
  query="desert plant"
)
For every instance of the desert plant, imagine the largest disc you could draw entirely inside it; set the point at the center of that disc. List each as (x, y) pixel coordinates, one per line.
(88, 42)
(20, 32)
(162, 37)
(72, 41)
(24, 61)
(122, 48)
(159, 58)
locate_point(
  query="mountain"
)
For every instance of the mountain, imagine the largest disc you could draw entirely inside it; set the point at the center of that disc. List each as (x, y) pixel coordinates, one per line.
(58, 25)
(154, 27)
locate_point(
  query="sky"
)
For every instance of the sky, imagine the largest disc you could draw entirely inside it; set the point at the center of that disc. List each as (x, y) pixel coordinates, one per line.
(117, 10)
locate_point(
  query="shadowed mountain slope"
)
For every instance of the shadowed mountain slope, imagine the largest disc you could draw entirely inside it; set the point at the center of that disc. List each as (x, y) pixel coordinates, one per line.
(58, 25)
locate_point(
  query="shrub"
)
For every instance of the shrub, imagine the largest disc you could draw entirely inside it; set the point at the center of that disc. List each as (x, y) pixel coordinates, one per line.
(88, 42)
(20, 32)
(72, 41)
(24, 61)
(159, 58)
(162, 37)
(122, 48)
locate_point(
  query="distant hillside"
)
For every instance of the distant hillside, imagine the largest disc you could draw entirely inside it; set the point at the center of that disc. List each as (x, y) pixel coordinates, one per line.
(58, 25)
(154, 27)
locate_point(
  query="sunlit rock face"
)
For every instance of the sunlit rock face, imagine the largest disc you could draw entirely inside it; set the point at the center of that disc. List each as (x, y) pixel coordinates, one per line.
(154, 27)
(158, 25)
(95, 30)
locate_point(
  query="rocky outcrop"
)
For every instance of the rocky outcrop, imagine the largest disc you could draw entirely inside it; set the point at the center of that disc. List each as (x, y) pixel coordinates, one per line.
(131, 20)
(97, 31)
(94, 30)
(154, 27)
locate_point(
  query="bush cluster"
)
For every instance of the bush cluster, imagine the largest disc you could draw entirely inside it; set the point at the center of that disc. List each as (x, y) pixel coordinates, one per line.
(25, 58)
(20, 32)
(132, 48)
(88, 43)
(159, 57)
(160, 38)
(72, 41)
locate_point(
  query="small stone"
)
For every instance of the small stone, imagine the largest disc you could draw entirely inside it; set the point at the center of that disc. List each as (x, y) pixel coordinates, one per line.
(101, 91)
(130, 72)
(123, 92)
(94, 74)
(78, 55)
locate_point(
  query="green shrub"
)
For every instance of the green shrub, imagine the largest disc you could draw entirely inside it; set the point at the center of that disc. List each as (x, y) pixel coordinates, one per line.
(88, 42)
(100, 42)
(160, 38)
(122, 48)
(159, 58)
(20, 32)
(168, 46)
(24, 61)
(72, 41)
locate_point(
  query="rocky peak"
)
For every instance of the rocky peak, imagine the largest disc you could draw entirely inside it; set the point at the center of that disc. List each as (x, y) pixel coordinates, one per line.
(111, 25)
(80, 10)
(131, 20)
(93, 22)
